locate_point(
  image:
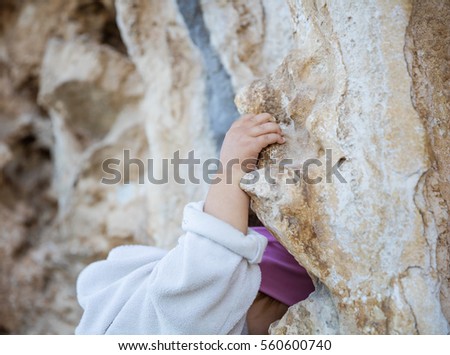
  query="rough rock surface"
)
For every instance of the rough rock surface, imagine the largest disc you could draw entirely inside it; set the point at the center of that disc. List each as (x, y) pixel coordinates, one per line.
(374, 234)
(251, 37)
(63, 87)
(427, 54)
(84, 81)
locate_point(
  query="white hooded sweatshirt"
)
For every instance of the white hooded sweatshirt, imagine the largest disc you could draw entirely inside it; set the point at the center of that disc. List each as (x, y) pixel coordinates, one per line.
(205, 285)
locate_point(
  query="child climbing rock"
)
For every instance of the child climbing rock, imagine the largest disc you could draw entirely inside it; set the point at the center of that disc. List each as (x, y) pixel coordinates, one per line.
(221, 278)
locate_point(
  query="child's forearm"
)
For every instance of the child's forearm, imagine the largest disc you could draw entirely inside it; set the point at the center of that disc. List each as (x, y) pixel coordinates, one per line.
(244, 140)
(228, 202)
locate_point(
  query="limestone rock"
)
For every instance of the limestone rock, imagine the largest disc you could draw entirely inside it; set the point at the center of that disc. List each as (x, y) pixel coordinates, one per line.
(362, 229)
(251, 37)
(27, 25)
(87, 83)
(426, 52)
(82, 80)
(84, 86)
(175, 104)
(93, 94)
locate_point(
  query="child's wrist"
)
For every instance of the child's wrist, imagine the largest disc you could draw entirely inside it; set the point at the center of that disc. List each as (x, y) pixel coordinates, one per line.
(232, 171)
(237, 175)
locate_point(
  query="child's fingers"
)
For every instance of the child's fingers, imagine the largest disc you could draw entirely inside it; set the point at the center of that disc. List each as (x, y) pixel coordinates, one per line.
(247, 117)
(262, 118)
(251, 119)
(270, 138)
(265, 128)
(244, 119)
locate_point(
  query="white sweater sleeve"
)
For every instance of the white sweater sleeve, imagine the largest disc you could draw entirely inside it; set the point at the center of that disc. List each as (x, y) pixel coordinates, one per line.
(204, 285)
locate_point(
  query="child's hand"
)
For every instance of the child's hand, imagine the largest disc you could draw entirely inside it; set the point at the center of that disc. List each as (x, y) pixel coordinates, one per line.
(241, 146)
(245, 140)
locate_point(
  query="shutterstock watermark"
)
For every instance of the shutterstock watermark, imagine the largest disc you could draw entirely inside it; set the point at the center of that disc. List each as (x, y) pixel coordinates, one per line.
(186, 170)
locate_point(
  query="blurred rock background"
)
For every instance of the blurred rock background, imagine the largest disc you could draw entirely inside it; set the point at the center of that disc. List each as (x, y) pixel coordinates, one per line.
(83, 80)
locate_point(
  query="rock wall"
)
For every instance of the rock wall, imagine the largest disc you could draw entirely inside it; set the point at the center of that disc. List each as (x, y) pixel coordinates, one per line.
(369, 115)
(83, 81)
